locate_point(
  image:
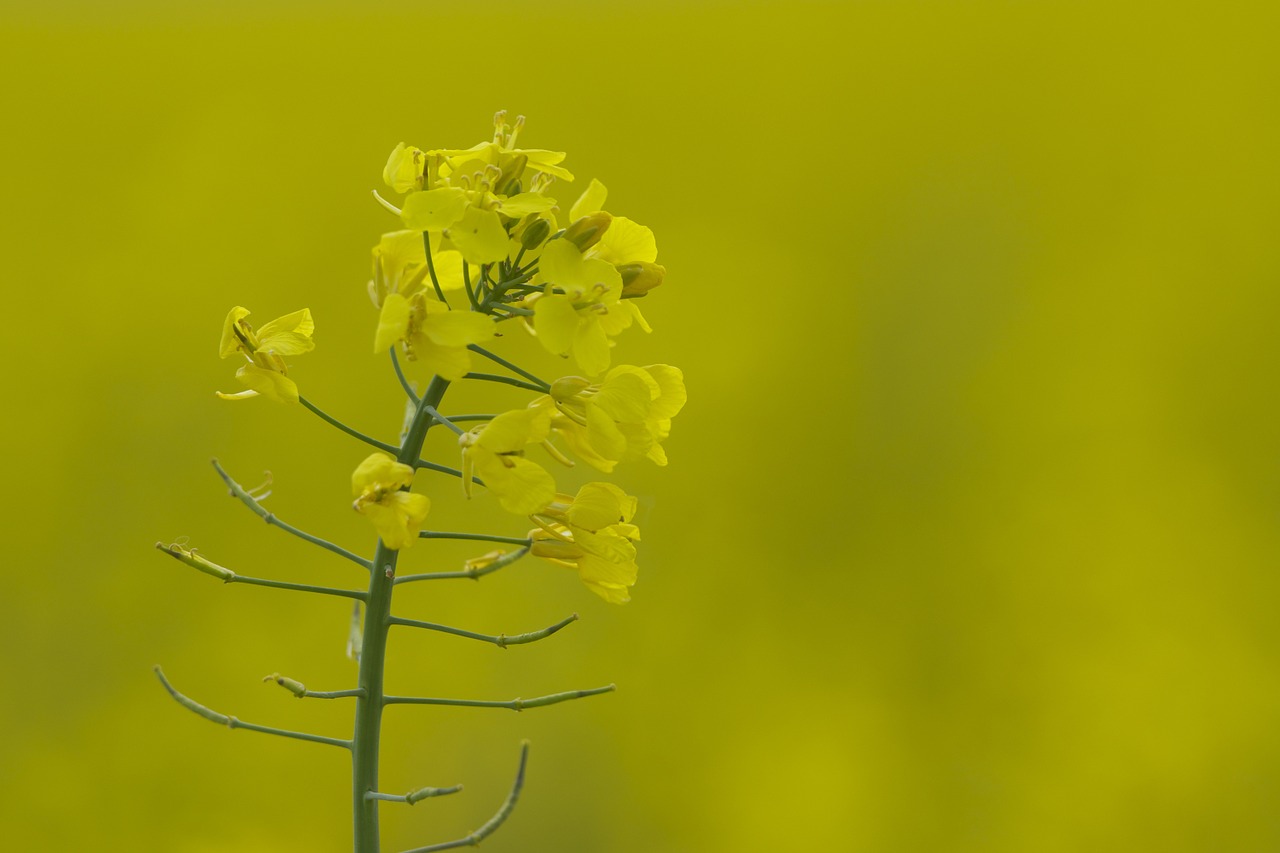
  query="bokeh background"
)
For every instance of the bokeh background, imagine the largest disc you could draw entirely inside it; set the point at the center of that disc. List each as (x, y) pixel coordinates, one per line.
(969, 541)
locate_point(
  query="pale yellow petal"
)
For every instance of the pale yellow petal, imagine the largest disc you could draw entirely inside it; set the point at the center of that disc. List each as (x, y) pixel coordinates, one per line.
(627, 242)
(591, 200)
(230, 343)
(269, 383)
(393, 323)
(434, 210)
(480, 237)
(555, 322)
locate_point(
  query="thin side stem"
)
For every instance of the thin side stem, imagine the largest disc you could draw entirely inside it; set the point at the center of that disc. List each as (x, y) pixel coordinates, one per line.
(233, 723)
(507, 380)
(269, 517)
(329, 419)
(501, 640)
(358, 594)
(404, 381)
(431, 267)
(475, 573)
(503, 812)
(475, 537)
(511, 704)
(413, 796)
(514, 368)
(441, 419)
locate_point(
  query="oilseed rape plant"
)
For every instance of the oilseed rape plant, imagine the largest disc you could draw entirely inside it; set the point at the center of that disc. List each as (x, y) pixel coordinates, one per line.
(483, 247)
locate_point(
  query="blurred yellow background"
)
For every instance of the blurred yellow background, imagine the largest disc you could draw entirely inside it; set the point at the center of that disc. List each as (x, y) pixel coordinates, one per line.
(969, 538)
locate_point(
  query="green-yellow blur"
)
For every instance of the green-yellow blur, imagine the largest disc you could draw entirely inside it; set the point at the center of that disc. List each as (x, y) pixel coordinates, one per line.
(970, 535)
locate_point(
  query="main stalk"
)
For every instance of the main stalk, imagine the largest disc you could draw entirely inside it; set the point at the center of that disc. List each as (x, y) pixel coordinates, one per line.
(373, 652)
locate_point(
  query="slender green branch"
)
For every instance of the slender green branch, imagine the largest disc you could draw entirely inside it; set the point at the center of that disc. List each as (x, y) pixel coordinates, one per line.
(431, 267)
(327, 418)
(466, 283)
(514, 368)
(413, 796)
(269, 517)
(511, 704)
(298, 689)
(404, 381)
(474, 537)
(506, 380)
(441, 419)
(457, 419)
(492, 823)
(501, 640)
(191, 558)
(233, 723)
(473, 572)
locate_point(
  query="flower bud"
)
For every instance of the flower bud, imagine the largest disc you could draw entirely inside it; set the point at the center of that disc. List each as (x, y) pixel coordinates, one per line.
(508, 181)
(640, 277)
(195, 561)
(567, 387)
(536, 234)
(297, 688)
(587, 231)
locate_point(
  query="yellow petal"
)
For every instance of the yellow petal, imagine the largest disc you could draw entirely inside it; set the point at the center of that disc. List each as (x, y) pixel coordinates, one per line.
(230, 343)
(480, 237)
(458, 328)
(522, 204)
(511, 432)
(625, 397)
(598, 505)
(393, 323)
(576, 437)
(672, 396)
(591, 200)
(448, 264)
(380, 470)
(627, 242)
(288, 335)
(269, 383)
(604, 434)
(451, 363)
(555, 322)
(591, 347)
(521, 486)
(404, 168)
(433, 210)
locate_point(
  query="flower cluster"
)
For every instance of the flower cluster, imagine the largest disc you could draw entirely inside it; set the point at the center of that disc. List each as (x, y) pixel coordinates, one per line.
(482, 239)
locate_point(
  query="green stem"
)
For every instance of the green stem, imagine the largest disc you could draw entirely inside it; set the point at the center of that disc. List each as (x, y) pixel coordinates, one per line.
(238, 491)
(373, 650)
(511, 704)
(501, 640)
(466, 283)
(443, 421)
(327, 418)
(506, 380)
(233, 723)
(404, 381)
(514, 368)
(413, 796)
(475, 537)
(431, 267)
(358, 594)
(508, 805)
(473, 574)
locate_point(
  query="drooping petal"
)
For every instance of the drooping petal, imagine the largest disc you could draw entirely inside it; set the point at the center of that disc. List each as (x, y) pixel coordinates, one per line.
(597, 505)
(380, 470)
(672, 397)
(625, 396)
(604, 435)
(269, 383)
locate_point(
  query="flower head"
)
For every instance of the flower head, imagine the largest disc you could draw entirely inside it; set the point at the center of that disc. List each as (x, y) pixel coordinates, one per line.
(380, 485)
(627, 415)
(264, 350)
(591, 533)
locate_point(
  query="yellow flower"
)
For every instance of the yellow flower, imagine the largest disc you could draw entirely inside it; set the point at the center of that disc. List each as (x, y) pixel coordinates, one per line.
(266, 373)
(626, 416)
(591, 533)
(378, 485)
(430, 332)
(494, 452)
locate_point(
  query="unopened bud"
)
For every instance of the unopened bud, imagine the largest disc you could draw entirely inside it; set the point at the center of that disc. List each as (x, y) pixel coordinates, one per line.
(195, 561)
(297, 688)
(536, 234)
(567, 387)
(640, 277)
(588, 230)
